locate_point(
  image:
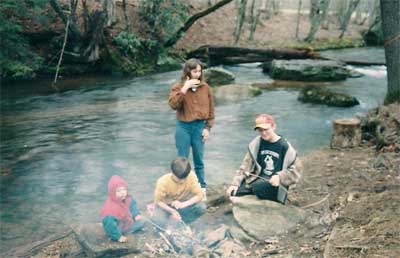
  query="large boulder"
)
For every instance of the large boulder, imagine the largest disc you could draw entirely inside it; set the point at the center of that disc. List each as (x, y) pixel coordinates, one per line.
(167, 63)
(234, 92)
(218, 76)
(263, 219)
(308, 70)
(95, 243)
(216, 195)
(319, 95)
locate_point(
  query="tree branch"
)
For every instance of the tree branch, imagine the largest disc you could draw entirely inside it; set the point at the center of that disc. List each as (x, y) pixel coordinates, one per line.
(179, 34)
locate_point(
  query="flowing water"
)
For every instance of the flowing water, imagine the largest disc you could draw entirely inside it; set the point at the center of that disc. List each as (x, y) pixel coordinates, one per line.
(61, 148)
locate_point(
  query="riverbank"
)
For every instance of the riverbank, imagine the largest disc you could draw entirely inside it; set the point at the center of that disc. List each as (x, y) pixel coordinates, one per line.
(356, 205)
(352, 194)
(136, 53)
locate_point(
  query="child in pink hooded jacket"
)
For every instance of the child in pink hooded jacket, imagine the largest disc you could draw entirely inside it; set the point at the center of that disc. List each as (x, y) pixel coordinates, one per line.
(120, 214)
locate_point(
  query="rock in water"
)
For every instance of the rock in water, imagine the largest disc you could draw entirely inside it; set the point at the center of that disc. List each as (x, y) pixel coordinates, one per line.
(264, 219)
(308, 70)
(217, 76)
(233, 93)
(318, 95)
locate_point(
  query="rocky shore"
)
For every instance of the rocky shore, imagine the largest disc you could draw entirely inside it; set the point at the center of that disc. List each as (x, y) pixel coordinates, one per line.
(346, 205)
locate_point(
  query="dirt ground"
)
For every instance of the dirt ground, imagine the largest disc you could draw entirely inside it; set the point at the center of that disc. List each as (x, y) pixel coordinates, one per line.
(360, 207)
(353, 210)
(218, 27)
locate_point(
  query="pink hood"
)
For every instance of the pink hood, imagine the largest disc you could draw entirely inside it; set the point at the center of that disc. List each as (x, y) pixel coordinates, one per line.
(119, 209)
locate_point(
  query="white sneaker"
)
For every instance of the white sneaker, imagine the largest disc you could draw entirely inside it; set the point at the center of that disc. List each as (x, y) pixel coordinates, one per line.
(204, 194)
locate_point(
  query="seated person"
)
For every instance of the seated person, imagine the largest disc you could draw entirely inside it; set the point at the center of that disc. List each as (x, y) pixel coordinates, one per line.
(178, 196)
(120, 214)
(269, 167)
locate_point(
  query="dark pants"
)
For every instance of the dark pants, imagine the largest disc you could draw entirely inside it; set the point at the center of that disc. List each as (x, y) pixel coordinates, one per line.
(138, 225)
(260, 188)
(188, 214)
(189, 134)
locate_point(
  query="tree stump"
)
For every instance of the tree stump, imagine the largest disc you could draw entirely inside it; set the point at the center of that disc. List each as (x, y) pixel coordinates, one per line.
(346, 133)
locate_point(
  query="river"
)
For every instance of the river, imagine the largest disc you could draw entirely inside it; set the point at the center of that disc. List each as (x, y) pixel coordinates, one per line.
(61, 148)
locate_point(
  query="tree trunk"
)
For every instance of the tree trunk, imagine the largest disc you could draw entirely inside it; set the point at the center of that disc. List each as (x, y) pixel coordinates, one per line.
(341, 6)
(275, 6)
(109, 6)
(85, 17)
(373, 11)
(75, 34)
(240, 19)
(216, 55)
(62, 53)
(266, 9)
(346, 133)
(125, 15)
(95, 36)
(181, 32)
(347, 17)
(73, 17)
(390, 11)
(318, 10)
(255, 20)
(359, 11)
(298, 19)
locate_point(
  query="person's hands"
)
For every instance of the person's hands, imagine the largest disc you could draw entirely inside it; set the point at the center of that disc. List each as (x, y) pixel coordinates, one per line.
(122, 239)
(205, 134)
(232, 190)
(150, 209)
(176, 216)
(138, 217)
(178, 205)
(190, 83)
(275, 180)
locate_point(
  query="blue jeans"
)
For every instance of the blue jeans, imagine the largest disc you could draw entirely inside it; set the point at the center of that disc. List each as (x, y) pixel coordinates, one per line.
(189, 134)
(188, 214)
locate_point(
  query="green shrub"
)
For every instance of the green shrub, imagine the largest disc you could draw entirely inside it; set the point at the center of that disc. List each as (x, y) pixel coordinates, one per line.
(17, 59)
(163, 17)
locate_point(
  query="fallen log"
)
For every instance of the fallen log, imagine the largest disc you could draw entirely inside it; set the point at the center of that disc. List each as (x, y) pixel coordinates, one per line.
(216, 55)
(32, 249)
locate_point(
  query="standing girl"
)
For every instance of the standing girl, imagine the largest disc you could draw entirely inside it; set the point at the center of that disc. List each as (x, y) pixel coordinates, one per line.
(194, 105)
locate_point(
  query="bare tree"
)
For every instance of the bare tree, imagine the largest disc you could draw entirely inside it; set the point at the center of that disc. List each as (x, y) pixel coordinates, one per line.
(75, 34)
(266, 9)
(276, 6)
(318, 12)
(347, 16)
(298, 18)
(191, 20)
(373, 11)
(125, 15)
(391, 31)
(254, 19)
(241, 15)
(109, 6)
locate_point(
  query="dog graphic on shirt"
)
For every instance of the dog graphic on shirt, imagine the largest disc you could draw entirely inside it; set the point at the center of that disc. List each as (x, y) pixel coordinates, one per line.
(269, 165)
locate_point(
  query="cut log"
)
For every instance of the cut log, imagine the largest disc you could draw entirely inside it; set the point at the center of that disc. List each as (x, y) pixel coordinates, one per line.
(216, 55)
(346, 133)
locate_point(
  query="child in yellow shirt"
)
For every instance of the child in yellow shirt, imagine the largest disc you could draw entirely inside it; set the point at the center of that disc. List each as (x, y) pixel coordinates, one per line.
(178, 195)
